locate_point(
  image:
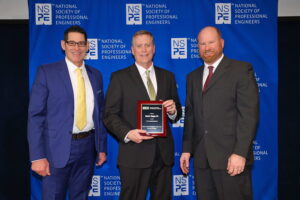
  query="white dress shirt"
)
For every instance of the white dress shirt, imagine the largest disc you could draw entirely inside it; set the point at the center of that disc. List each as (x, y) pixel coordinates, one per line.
(206, 70)
(89, 95)
(142, 72)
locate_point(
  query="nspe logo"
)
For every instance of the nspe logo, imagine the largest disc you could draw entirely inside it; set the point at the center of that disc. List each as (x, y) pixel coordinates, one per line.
(133, 14)
(95, 187)
(180, 185)
(43, 14)
(223, 13)
(93, 50)
(179, 48)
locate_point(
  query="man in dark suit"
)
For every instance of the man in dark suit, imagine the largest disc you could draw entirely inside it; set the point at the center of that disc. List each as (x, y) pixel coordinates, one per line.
(144, 161)
(221, 117)
(65, 128)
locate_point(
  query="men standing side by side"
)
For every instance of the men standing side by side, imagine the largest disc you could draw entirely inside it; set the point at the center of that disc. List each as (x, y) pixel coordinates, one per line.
(65, 128)
(144, 161)
(221, 117)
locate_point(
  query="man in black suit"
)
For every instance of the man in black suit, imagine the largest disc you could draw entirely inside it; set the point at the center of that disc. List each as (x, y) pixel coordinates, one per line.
(144, 161)
(221, 117)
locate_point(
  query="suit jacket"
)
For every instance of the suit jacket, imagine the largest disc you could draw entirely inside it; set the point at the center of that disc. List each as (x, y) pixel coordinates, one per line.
(223, 120)
(51, 113)
(120, 116)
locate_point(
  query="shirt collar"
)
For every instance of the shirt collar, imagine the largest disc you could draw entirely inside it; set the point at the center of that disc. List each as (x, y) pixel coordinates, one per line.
(215, 64)
(72, 67)
(142, 70)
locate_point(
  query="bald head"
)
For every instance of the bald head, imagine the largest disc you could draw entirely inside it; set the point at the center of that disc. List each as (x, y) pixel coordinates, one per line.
(210, 44)
(210, 30)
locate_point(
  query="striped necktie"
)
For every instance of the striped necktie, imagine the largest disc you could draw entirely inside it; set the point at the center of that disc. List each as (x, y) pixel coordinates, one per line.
(150, 86)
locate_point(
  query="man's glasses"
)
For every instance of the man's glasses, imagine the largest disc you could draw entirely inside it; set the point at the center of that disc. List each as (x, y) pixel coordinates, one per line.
(73, 43)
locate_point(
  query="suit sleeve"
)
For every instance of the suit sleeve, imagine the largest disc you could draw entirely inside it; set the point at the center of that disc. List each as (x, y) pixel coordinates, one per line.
(101, 136)
(112, 119)
(176, 99)
(37, 116)
(189, 120)
(247, 106)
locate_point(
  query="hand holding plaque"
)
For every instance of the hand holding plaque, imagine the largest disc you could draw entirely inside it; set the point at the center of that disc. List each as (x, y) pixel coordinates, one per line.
(152, 118)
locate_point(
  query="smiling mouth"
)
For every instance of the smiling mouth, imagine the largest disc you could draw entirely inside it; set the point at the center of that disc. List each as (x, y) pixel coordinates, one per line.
(76, 53)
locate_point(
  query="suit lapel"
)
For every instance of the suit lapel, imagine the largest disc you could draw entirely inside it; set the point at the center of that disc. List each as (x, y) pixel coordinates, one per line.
(92, 79)
(160, 85)
(199, 84)
(221, 69)
(65, 77)
(138, 82)
(95, 87)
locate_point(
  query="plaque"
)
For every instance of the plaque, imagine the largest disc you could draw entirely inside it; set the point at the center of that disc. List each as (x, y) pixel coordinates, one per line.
(152, 118)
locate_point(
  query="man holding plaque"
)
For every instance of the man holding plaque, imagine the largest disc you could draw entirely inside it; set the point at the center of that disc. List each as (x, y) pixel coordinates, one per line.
(221, 117)
(145, 160)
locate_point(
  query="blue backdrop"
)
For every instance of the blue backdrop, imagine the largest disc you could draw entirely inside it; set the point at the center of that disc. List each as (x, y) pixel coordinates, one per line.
(250, 31)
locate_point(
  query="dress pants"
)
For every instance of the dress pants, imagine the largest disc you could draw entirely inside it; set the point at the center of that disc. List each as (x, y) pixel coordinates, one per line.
(219, 185)
(75, 178)
(136, 181)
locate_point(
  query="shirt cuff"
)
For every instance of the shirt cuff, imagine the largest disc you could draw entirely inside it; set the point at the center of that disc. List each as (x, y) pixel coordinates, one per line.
(126, 140)
(38, 160)
(172, 117)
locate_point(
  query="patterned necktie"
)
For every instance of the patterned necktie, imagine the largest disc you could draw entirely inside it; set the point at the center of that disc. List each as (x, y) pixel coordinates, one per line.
(211, 71)
(80, 101)
(150, 86)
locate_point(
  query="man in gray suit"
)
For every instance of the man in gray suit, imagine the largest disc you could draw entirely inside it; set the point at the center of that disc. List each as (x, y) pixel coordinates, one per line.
(144, 161)
(221, 117)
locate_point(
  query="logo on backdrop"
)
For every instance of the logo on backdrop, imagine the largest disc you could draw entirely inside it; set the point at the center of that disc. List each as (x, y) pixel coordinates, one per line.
(223, 13)
(134, 14)
(95, 186)
(43, 14)
(179, 48)
(93, 50)
(180, 185)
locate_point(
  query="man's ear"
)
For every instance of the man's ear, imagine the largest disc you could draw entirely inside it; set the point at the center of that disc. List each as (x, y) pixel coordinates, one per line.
(63, 44)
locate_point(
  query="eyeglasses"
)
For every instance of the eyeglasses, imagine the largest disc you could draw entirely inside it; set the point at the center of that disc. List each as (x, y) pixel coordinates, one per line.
(79, 44)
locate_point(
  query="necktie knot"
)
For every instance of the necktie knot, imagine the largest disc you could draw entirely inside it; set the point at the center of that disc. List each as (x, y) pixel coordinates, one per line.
(79, 72)
(210, 73)
(148, 73)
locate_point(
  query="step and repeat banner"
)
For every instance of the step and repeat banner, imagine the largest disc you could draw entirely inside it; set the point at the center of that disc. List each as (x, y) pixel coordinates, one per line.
(249, 28)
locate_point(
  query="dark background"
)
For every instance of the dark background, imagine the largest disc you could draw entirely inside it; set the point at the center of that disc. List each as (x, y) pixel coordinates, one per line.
(289, 107)
(14, 81)
(14, 161)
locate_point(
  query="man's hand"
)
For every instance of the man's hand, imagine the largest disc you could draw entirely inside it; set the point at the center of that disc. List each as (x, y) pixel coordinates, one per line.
(41, 167)
(170, 106)
(101, 158)
(185, 162)
(236, 164)
(135, 136)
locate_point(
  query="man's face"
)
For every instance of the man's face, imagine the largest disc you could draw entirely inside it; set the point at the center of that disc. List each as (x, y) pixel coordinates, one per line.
(143, 50)
(75, 52)
(210, 45)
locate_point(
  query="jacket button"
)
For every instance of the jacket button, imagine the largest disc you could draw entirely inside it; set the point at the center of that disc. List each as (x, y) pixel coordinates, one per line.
(205, 132)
